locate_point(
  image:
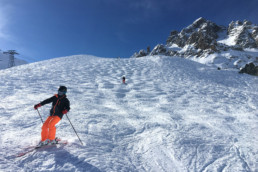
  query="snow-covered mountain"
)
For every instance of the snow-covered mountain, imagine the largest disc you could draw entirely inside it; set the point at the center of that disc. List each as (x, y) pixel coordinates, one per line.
(4, 61)
(208, 43)
(173, 115)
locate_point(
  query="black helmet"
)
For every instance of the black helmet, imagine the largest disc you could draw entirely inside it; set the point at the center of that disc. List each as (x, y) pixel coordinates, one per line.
(62, 90)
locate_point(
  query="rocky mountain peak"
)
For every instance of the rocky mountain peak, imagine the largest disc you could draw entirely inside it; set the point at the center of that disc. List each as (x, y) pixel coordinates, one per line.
(201, 34)
(205, 39)
(198, 22)
(245, 34)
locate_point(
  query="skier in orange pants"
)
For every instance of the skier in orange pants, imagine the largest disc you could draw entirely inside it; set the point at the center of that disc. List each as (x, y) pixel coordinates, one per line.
(60, 106)
(49, 129)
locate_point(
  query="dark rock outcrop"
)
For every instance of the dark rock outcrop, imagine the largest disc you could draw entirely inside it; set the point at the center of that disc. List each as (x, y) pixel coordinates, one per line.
(250, 69)
(141, 53)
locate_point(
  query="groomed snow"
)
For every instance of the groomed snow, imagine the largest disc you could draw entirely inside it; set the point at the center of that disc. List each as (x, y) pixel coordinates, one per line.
(174, 115)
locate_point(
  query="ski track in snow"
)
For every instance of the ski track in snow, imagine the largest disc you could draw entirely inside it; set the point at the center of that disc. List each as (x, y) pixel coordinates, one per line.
(172, 115)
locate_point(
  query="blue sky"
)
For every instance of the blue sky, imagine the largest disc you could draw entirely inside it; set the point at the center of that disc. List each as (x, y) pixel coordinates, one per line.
(44, 29)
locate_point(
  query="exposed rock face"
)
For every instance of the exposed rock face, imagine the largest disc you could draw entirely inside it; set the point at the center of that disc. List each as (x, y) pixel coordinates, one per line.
(160, 49)
(205, 39)
(250, 69)
(141, 53)
(202, 34)
(244, 38)
(174, 38)
(255, 34)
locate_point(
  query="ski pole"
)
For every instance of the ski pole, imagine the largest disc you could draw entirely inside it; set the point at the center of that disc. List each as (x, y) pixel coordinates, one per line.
(40, 116)
(74, 129)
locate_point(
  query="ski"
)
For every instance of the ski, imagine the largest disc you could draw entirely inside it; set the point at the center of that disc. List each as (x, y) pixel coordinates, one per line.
(34, 148)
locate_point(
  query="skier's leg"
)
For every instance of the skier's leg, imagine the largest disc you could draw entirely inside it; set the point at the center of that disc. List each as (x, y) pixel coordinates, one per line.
(45, 130)
(52, 128)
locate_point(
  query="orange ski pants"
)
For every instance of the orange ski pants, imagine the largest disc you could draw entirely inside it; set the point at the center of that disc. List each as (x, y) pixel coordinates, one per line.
(49, 129)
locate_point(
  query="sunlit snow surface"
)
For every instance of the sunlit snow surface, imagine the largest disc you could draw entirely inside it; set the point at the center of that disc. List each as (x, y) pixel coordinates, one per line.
(174, 115)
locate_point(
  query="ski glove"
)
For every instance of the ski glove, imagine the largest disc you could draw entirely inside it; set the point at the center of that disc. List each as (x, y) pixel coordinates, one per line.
(65, 111)
(37, 106)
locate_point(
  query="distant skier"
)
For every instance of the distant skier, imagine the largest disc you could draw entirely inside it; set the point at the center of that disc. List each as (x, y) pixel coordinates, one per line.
(123, 79)
(60, 106)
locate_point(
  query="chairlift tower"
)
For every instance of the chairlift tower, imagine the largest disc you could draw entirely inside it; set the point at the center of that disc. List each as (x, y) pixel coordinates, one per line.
(11, 57)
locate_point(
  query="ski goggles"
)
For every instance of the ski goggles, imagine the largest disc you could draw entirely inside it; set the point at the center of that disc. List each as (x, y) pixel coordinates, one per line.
(61, 93)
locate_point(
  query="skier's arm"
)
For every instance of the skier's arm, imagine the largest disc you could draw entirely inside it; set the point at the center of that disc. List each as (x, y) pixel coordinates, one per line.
(49, 100)
(66, 107)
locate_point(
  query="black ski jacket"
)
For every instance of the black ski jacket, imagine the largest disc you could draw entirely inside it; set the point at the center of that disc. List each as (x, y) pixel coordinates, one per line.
(59, 103)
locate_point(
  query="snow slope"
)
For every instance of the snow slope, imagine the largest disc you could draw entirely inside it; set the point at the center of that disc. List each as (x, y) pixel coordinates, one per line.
(174, 115)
